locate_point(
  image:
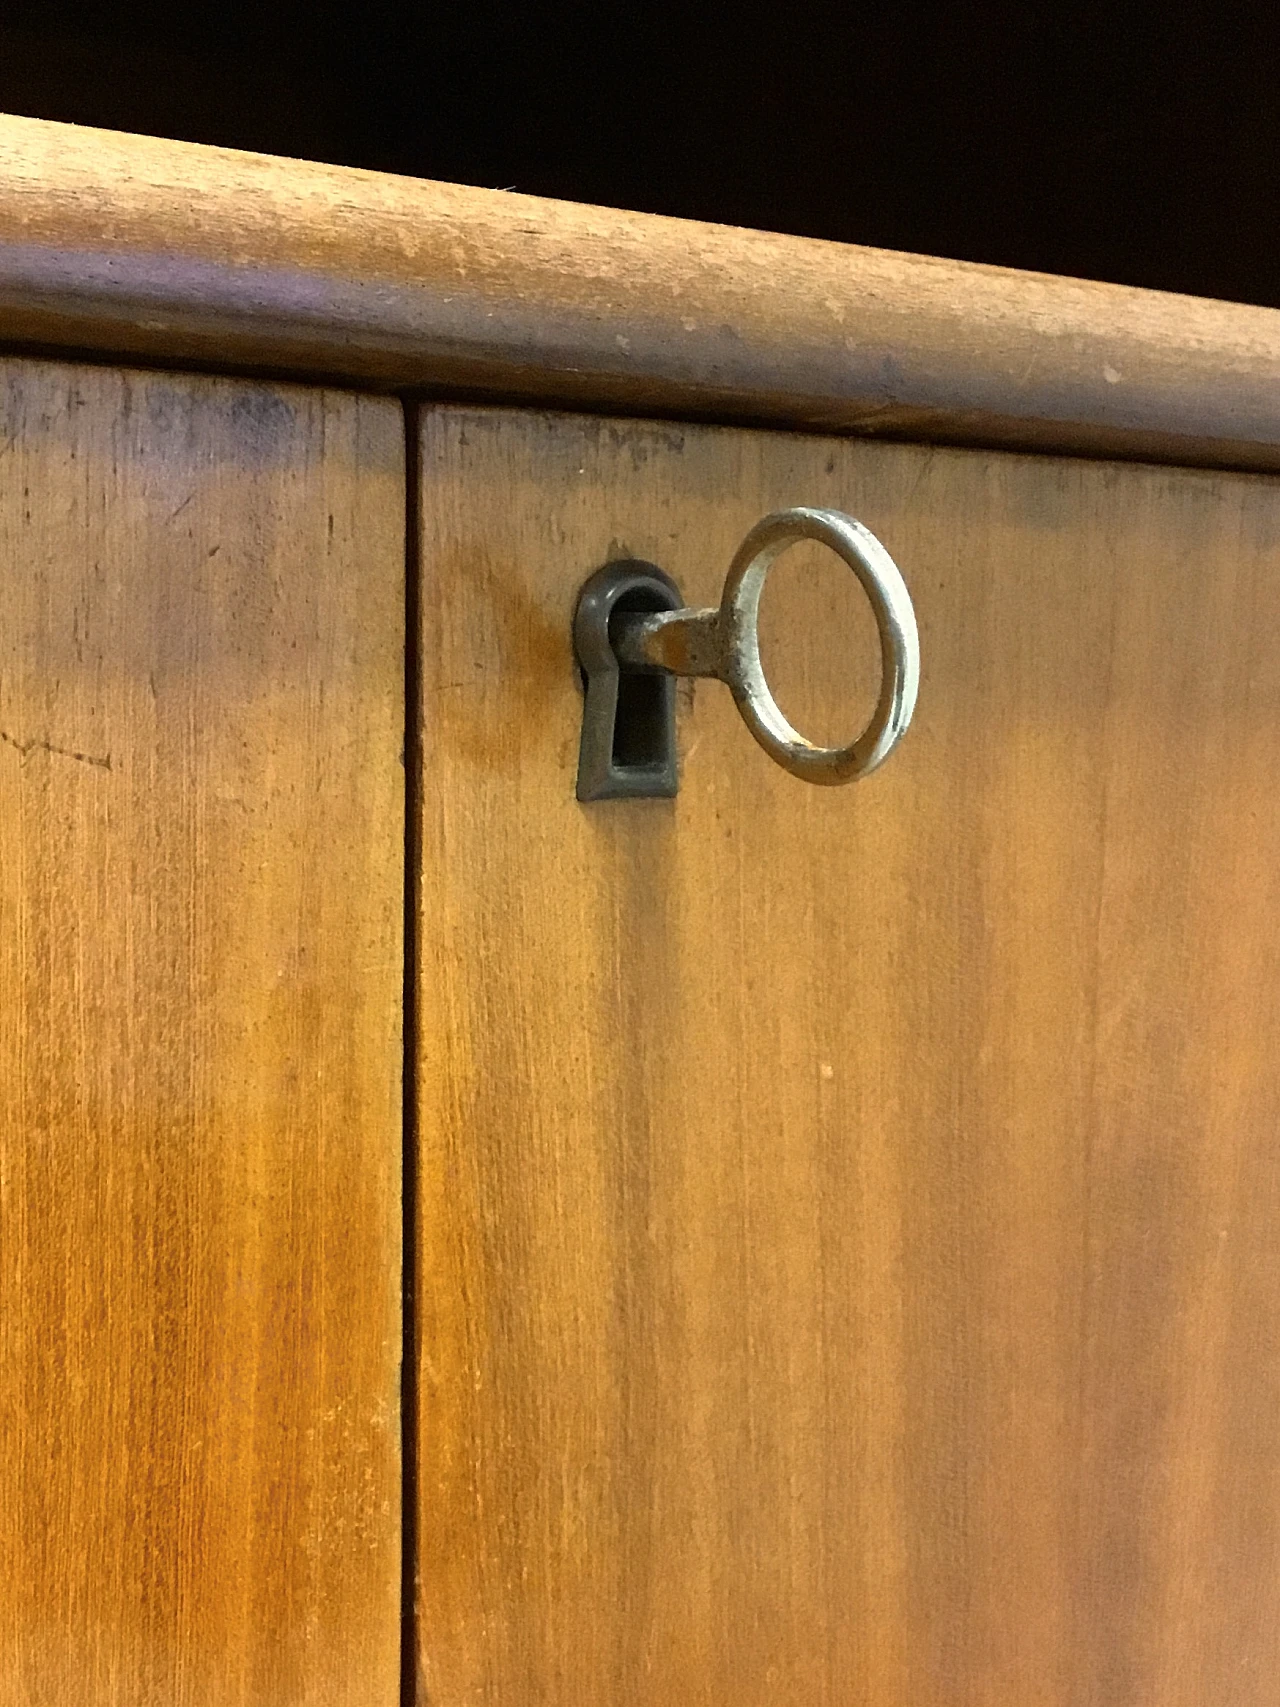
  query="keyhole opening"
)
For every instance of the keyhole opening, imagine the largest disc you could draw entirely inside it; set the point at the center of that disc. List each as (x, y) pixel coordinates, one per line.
(641, 724)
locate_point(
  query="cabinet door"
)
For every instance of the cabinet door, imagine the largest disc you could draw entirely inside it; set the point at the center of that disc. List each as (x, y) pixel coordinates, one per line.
(848, 1255)
(201, 798)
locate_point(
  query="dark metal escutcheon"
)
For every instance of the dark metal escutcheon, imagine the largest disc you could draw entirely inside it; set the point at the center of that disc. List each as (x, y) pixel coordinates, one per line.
(628, 749)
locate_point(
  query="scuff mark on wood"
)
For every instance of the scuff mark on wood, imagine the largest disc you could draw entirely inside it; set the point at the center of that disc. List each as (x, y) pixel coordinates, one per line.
(38, 744)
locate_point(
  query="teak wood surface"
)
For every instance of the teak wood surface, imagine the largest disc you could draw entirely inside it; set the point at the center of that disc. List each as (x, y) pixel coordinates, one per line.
(136, 246)
(849, 1220)
(201, 808)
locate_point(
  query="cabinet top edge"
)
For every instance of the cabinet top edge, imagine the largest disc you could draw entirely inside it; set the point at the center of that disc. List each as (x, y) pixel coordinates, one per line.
(132, 247)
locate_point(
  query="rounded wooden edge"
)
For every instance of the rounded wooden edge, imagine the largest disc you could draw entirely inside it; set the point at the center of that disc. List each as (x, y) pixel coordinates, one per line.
(137, 248)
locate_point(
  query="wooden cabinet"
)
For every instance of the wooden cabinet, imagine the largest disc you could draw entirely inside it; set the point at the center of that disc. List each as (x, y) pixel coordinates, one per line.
(849, 1219)
(201, 881)
(771, 1245)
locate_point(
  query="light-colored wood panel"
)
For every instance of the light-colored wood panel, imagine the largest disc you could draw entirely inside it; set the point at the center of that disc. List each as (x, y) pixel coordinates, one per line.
(849, 1228)
(201, 809)
(132, 245)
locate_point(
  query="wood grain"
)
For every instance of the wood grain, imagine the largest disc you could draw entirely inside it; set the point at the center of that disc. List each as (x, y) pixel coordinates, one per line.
(849, 1244)
(133, 246)
(201, 800)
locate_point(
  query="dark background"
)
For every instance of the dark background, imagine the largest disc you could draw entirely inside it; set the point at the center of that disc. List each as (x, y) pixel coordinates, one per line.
(1105, 141)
